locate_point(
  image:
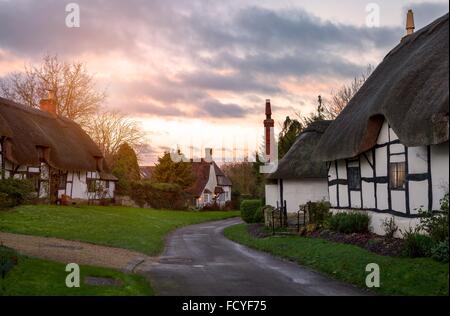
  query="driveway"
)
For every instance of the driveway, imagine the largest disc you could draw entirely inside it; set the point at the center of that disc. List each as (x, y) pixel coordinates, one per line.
(199, 260)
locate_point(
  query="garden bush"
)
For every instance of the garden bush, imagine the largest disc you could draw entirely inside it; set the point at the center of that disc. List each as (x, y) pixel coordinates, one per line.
(319, 212)
(5, 201)
(416, 244)
(259, 215)
(440, 251)
(158, 195)
(436, 224)
(349, 223)
(14, 192)
(8, 259)
(251, 211)
(389, 227)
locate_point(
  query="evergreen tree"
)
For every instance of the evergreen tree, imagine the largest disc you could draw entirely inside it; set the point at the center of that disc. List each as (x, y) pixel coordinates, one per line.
(289, 132)
(125, 167)
(318, 115)
(168, 171)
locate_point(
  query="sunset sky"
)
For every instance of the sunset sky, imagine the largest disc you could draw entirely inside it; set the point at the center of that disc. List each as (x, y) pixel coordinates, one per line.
(197, 72)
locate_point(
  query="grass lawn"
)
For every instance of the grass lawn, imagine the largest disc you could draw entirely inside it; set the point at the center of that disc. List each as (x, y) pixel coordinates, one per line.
(132, 228)
(40, 277)
(398, 276)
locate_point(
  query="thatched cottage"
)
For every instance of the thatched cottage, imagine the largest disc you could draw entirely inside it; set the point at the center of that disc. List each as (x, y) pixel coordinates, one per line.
(388, 151)
(300, 178)
(52, 151)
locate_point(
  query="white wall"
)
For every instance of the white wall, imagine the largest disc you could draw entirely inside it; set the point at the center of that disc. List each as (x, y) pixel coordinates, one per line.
(79, 190)
(297, 192)
(272, 194)
(376, 221)
(439, 172)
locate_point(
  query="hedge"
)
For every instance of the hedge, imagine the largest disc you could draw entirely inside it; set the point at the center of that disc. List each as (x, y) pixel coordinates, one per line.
(251, 211)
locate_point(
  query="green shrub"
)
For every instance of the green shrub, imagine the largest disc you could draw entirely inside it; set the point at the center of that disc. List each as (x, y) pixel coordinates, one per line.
(158, 195)
(319, 212)
(249, 209)
(259, 216)
(5, 201)
(8, 259)
(440, 251)
(416, 244)
(389, 227)
(14, 192)
(436, 224)
(349, 223)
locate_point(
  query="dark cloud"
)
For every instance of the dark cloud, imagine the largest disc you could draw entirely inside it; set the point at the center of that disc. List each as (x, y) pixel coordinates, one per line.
(216, 109)
(149, 108)
(241, 81)
(269, 31)
(196, 108)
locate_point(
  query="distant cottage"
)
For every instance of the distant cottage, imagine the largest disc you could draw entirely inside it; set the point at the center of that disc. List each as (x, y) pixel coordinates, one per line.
(52, 151)
(211, 185)
(388, 151)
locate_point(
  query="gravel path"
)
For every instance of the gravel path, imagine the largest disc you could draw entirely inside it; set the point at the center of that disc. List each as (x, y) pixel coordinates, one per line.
(66, 251)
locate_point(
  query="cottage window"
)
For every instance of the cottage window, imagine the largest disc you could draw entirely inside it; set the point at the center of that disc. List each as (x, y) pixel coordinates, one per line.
(107, 184)
(62, 181)
(91, 185)
(354, 178)
(397, 175)
(34, 178)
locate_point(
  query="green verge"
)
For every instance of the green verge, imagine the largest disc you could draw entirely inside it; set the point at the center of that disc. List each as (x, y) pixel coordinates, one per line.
(36, 277)
(398, 276)
(138, 229)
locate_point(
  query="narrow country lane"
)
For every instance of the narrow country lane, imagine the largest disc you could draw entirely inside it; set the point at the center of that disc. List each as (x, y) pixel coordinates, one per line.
(199, 260)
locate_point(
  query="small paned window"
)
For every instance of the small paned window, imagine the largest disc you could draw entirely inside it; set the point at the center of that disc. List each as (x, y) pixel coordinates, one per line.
(397, 175)
(354, 178)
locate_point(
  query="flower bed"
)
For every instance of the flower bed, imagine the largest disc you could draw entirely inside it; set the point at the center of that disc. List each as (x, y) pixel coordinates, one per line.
(369, 241)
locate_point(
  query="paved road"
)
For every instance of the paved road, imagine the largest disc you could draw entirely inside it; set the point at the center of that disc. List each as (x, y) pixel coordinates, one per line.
(199, 260)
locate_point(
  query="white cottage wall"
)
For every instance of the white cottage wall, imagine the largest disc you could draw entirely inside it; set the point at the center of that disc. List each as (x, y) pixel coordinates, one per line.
(297, 192)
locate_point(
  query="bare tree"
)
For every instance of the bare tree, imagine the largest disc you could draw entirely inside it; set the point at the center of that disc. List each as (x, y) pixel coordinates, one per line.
(76, 95)
(111, 129)
(341, 97)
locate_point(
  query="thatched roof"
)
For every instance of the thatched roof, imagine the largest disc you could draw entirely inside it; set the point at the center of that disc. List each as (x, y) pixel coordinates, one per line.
(68, 146)
(108, 176)
(299, 162)
(409, 89)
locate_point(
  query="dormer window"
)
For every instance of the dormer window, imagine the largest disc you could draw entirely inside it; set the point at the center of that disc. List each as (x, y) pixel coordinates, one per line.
(42, 153)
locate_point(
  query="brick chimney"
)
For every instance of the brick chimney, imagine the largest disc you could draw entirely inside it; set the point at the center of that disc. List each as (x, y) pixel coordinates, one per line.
(49, 105)
(410, 22)
(268, 124)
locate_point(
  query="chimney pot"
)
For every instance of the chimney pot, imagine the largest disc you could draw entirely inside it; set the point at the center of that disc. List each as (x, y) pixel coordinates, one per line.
(410, 22)
(49, 105)
(268, 108)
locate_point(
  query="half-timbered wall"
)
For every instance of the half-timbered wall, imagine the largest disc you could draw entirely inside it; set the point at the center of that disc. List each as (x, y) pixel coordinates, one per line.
(76, 182)
(426, 179)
